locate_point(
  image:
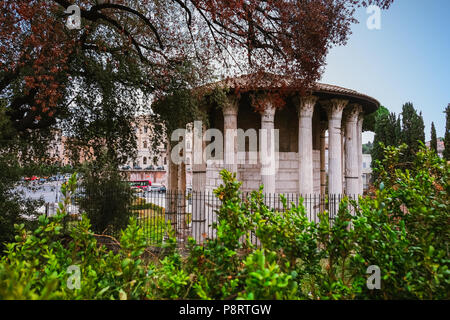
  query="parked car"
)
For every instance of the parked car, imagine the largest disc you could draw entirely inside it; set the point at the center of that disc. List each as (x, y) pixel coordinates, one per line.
(162, 189)
(154, 188)
(137, 168)
(126, 168)
(160, 168)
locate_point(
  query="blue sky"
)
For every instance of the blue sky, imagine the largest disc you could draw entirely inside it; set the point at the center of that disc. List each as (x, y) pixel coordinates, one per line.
(408, 59)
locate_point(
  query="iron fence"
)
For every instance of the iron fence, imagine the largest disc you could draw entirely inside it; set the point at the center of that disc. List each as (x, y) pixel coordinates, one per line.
(193, 214)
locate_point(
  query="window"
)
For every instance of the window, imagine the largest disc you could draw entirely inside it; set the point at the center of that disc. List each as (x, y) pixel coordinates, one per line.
(144, 160)
(188, 160)
(145, 144)
(165, 160)
(145, 129)
(364, 165)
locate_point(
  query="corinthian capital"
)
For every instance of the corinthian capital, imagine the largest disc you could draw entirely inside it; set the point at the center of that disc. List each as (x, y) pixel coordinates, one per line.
(334, 108)
(230, 106)
(305, 105)
(352, 112)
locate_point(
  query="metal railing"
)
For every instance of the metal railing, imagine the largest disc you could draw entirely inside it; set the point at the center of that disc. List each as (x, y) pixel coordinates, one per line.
(193, 214)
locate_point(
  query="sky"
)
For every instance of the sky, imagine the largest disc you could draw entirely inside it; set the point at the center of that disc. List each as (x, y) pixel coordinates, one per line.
(406, 60)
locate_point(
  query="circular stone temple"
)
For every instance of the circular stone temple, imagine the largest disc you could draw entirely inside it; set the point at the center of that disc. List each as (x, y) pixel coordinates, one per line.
(316, 147)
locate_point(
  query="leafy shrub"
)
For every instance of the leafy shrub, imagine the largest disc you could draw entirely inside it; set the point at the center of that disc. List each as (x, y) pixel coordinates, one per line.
(141, 205)
(402, 229)
(105, 197)
(13, 207)
(264, 278)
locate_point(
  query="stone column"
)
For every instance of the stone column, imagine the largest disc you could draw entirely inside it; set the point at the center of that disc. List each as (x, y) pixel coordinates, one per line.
(305, 108)
(334, 109)
(172, 188)
(359, 135)
(343, 151)
(351, 150)
(198, 182)
(173, 171)
(198, 162)
(267, 141)
(230, 112)
(181, 216)
(323, 173)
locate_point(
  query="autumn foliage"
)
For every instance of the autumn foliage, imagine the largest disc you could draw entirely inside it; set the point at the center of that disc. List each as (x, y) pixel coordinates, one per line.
(38, 73)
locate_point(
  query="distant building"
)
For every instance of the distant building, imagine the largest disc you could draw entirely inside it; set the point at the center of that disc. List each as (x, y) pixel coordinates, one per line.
(58, 151)
(148, 165)
(366, 171)
(440, 146)
(146, 157)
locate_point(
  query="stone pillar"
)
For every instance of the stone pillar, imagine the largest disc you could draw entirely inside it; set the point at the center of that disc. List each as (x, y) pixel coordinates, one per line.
(343, 141)
(334, 109)
(305, 108)
(351, 150)
(230, 112)
(267, 141)
(323, 173)
(181, 216)
(172, 188)
(172, 181)
(198, 162)
(359, 135)
(198, 183)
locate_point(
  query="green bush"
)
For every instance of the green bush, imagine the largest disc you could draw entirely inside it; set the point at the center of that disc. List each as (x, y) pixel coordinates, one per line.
(13, 207)
(105, 197)
(402, 229)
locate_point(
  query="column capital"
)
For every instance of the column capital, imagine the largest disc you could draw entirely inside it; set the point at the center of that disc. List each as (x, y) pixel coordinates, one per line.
(265, 105)
(305, 105)
(361, 117)
(268, 114)
(230, 106)
(352, 112)
(334, 108)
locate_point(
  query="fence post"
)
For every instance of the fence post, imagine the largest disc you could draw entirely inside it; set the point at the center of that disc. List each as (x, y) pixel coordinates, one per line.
(198, 215)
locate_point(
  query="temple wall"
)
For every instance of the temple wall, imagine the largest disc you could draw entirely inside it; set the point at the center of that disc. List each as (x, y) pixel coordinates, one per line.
(249, 174)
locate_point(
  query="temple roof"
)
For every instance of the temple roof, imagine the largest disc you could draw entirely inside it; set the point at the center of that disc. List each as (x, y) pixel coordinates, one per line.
(324, 91)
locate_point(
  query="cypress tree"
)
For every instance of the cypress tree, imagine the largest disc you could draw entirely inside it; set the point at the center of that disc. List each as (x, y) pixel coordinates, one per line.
(385, 132)
(381, 123)
(447, 134)
(398, 131)
(433, 142)
(413, 131)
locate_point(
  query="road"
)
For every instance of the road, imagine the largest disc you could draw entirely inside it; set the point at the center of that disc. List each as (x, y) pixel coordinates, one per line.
(50, 193)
